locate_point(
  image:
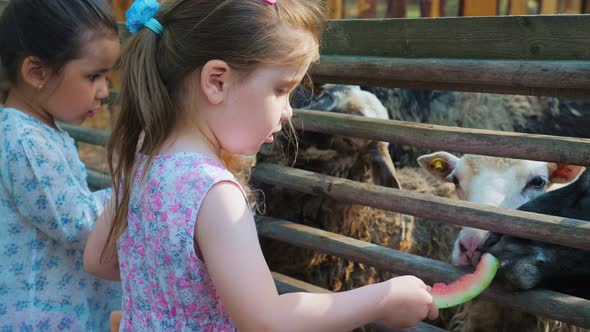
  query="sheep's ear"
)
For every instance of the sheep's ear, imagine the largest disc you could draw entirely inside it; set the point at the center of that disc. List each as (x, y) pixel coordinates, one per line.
(562, 173)
(382, 167)
(439, 164)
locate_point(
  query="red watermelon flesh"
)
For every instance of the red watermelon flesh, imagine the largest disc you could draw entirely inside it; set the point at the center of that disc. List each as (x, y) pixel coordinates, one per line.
(468, 286)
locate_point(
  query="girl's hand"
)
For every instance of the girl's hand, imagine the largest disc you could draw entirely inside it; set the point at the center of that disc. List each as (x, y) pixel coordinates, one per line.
(408, 302)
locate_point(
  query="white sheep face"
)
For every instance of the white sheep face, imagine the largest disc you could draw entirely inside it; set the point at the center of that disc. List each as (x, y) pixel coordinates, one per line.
(499, 182)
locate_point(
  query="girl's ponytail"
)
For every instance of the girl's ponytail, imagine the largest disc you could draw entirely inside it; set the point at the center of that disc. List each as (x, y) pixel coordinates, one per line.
(146, 117)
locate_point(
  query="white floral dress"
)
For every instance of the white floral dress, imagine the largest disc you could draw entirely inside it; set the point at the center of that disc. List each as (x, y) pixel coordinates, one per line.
(46, 214)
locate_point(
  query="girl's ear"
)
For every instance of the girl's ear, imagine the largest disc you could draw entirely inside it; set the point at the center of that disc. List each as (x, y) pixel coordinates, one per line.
(34, 72)
(215, 77)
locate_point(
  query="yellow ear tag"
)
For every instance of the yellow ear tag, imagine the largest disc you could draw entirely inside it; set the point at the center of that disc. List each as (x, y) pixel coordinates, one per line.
(437, 164)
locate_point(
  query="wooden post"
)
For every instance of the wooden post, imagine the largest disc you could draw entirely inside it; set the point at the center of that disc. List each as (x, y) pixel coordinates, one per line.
(443, 8)
(586, 9)
(432, 8)
(335, 9)
(478, 8)
(396, 8)
(548, 7)
(120, 7)
(114, 76)
(367, 8)
(572, 7)
(518, 7)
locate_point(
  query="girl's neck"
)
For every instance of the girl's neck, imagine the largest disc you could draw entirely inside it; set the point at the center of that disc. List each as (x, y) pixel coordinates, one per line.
(192, 139)
(23, 102)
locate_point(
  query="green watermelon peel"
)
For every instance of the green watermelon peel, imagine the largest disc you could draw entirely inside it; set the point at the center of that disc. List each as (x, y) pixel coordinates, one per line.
(468, 286)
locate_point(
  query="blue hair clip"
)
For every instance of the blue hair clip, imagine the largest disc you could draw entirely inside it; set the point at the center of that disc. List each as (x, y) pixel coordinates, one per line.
(141, 14)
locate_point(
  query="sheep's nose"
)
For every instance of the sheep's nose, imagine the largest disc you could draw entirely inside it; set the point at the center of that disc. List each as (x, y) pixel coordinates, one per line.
(469, 246)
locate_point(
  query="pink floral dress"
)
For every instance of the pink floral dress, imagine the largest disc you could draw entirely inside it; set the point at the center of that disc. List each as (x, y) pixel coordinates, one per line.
(166, 287)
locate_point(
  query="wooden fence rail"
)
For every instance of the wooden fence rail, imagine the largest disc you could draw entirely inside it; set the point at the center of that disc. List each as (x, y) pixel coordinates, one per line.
(501, 38)
(546, 303)
(563, 231)
(479, 141)
(487, 142)
(530, 55)
(533, 78)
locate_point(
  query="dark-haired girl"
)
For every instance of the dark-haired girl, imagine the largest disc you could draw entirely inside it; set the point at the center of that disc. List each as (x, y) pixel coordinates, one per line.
(54, 55)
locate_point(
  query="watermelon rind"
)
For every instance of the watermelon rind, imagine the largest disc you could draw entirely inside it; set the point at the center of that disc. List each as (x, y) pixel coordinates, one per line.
(467, 287)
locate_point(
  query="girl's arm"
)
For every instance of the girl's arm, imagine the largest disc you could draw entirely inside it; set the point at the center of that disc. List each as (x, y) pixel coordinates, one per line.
(48, 193)
(108, 269)
(226, 235)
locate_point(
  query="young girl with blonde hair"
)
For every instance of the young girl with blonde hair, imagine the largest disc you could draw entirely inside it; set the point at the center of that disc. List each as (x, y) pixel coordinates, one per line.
(201, 77)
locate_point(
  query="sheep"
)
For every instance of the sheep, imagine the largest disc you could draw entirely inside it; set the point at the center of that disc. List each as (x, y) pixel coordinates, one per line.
(501, 182)
(528, 264)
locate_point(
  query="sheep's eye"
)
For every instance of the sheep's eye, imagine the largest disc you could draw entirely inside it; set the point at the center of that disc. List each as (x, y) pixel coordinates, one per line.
(455, 181)
(537, 182)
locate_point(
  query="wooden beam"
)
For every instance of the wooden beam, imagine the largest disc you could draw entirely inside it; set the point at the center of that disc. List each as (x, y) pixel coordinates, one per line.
(542, 78)
(518, 7)
(397, 8)
(559, 37)
(564, 231)
(98, 180)
(478, 141)
(367, 8)
(540, 302)
(478, 7)
(86, 135)
(586, 9)
(548, 7)
(335, 9)
(487, 142)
